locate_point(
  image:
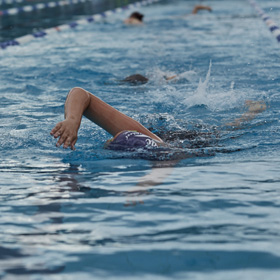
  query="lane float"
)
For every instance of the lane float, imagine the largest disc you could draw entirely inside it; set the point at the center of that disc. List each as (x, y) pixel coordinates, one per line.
(274, 29)
(94, 18)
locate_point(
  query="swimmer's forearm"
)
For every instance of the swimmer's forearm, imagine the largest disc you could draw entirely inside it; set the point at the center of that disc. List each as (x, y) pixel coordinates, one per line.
(76, 103)
(254, 108)
(112, 120)
(170, 78)
(244, 118)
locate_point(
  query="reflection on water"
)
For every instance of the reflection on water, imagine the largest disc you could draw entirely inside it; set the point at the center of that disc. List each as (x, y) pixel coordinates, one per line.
(117, 221)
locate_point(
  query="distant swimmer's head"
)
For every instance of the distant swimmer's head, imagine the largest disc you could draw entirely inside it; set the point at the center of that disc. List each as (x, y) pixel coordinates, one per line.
(135, 18)
(136, 79)
(137, 15)
(201, 7)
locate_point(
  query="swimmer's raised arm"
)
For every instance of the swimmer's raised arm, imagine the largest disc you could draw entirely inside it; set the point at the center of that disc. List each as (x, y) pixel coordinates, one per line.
(80, 102)
(170, 78)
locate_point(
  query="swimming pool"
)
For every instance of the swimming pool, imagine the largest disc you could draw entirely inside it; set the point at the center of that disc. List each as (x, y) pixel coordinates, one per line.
(113, 215)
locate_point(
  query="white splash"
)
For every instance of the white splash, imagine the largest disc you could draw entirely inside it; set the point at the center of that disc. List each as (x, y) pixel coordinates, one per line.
(202, 86)
(216, 98)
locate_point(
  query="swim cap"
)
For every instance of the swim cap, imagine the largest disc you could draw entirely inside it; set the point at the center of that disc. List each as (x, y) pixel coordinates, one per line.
(131, 140)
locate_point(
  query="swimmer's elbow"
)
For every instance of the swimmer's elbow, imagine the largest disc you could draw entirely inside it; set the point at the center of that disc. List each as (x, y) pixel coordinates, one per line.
(78, 90)
(80, 94)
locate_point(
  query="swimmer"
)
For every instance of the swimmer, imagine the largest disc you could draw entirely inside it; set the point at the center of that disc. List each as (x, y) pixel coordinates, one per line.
(134, 19)
(200, 7)
(140, 79)
(128, 134)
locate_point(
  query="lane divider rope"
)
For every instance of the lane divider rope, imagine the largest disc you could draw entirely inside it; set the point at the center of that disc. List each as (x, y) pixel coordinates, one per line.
(10, 2)
(275, 30)
(39, 6)
(94, 18)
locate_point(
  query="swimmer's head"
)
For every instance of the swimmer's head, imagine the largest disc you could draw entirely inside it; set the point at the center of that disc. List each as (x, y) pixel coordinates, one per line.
(137, 15)
(136, 79)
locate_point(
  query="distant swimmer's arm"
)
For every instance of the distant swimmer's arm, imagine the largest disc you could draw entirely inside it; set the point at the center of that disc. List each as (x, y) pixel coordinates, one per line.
(170, 78)
(201, 7)
(254, 108)
(80, 102)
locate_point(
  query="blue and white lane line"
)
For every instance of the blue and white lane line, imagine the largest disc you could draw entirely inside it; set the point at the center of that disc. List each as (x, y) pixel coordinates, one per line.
(275, 30)
(9, 2)
(39, 6)
(94, 18)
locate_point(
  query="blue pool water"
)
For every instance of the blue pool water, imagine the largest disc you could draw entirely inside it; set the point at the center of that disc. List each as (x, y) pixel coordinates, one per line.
(98, 214)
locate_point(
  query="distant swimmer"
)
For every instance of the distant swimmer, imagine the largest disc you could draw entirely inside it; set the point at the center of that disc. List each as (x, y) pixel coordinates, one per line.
(128, 134)
(201, 7)
(135, 18)
(140, 79)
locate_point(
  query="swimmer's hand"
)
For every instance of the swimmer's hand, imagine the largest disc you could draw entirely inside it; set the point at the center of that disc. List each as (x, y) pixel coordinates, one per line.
(255, 106)
(67, 132)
